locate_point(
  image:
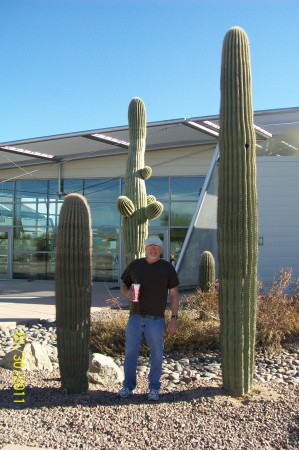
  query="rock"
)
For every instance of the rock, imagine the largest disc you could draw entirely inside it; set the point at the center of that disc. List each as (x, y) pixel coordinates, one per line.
(104, 371)
(52, 352)
(33, 357)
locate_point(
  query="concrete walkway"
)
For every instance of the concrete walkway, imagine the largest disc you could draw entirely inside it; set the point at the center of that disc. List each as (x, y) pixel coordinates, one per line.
(22, 301)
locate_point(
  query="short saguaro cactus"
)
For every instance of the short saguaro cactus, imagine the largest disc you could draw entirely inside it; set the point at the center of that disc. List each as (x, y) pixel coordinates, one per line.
(73, 292)
(206, 271)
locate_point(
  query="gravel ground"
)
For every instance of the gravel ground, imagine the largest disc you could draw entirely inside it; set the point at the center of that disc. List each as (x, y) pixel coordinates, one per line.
(197, 416)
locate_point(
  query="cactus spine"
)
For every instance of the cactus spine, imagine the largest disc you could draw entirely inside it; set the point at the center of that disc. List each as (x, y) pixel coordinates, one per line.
(134, 205)
(206, 271)
(237, 216)
(73, 292)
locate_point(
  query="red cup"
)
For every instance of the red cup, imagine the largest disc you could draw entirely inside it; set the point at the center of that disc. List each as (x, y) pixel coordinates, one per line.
(136, 290)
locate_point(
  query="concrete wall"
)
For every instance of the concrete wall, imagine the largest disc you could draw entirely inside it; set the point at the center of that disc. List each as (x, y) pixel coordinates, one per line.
(278, 204)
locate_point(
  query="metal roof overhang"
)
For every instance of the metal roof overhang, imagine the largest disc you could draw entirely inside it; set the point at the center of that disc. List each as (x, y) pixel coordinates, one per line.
(167, 134)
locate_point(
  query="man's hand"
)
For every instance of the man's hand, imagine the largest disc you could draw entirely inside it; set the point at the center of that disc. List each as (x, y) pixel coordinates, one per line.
(127, 292)
(172, 326)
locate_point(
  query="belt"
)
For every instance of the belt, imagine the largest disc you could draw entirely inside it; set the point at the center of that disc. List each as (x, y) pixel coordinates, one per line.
(148, 316)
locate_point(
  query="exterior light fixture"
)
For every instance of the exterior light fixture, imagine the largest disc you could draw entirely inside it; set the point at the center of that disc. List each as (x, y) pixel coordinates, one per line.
(262, 131)
(111, 140)
(199, 127)
(22, 151)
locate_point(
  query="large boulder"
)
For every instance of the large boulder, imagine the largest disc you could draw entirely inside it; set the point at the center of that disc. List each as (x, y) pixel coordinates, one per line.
(33, 357)
(104, 371)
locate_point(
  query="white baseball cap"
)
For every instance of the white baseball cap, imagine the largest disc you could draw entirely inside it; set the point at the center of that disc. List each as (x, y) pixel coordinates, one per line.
(153, 240)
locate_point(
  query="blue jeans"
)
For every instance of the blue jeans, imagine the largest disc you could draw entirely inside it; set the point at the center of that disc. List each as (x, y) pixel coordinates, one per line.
(152, 328)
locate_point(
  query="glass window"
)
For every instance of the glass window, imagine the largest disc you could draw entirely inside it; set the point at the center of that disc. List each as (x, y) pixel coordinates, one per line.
(31, 240)
(105, 267)
(53, 189)
(31, 214)
(163, 220)
(106, 189)
(6, 214)
(186, 188)
(28, 191)
(177, 237)
(104, 214)
(54, 210)
(34, 265)
(181, 213)
(6, 191)
(105, 240)
(72, 186)
(159, 187)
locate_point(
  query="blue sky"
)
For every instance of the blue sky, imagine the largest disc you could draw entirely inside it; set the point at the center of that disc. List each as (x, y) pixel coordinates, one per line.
(74, 65)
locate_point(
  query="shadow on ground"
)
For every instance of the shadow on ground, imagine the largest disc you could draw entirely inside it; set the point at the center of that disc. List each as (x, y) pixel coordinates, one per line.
(51, 397)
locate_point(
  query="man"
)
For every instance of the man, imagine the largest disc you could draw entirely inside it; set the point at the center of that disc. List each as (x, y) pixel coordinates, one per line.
(156, 277)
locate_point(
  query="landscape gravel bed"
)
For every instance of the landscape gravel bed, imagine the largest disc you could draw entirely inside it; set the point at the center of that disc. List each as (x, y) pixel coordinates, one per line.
(197, 416)
(193, 411)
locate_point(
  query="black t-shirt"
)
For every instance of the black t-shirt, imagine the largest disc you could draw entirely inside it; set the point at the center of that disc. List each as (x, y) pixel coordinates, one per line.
(155, 280)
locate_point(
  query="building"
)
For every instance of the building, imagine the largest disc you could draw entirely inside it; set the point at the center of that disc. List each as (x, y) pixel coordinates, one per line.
(36, 174)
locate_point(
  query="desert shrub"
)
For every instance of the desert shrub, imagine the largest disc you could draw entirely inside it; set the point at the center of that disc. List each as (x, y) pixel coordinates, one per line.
(277, 312)
(107, 335)
(204, 304)
(193, 335)
(198, 330)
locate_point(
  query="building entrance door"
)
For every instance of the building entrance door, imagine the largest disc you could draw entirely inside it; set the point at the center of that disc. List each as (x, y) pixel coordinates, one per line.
(5, 253)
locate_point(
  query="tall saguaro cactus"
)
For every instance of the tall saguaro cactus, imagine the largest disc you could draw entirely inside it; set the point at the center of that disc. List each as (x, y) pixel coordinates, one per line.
(73, 292)
(237, 216)
(135, 205)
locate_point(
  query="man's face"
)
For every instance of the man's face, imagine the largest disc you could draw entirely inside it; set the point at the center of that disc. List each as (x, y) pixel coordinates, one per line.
(153, 253)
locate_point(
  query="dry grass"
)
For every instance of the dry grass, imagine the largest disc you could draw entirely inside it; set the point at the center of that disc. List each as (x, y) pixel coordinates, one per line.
(198, 330)
(278, 312)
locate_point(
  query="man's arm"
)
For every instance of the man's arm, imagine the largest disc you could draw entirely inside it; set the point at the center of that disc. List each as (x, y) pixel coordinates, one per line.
(174, 304)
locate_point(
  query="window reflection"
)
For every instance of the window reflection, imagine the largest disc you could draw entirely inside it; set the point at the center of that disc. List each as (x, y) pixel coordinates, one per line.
(33, 265)
(104, 214)
(31, 240)
(159, 187)
(181, 213)
(31, 214)
(6, 191)
(6, 214)
(163, 220)
(105, 254)
(72, 186)
(185, 188)
(35, 217)
(28, 191)
(106, 189)
(177, 237)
